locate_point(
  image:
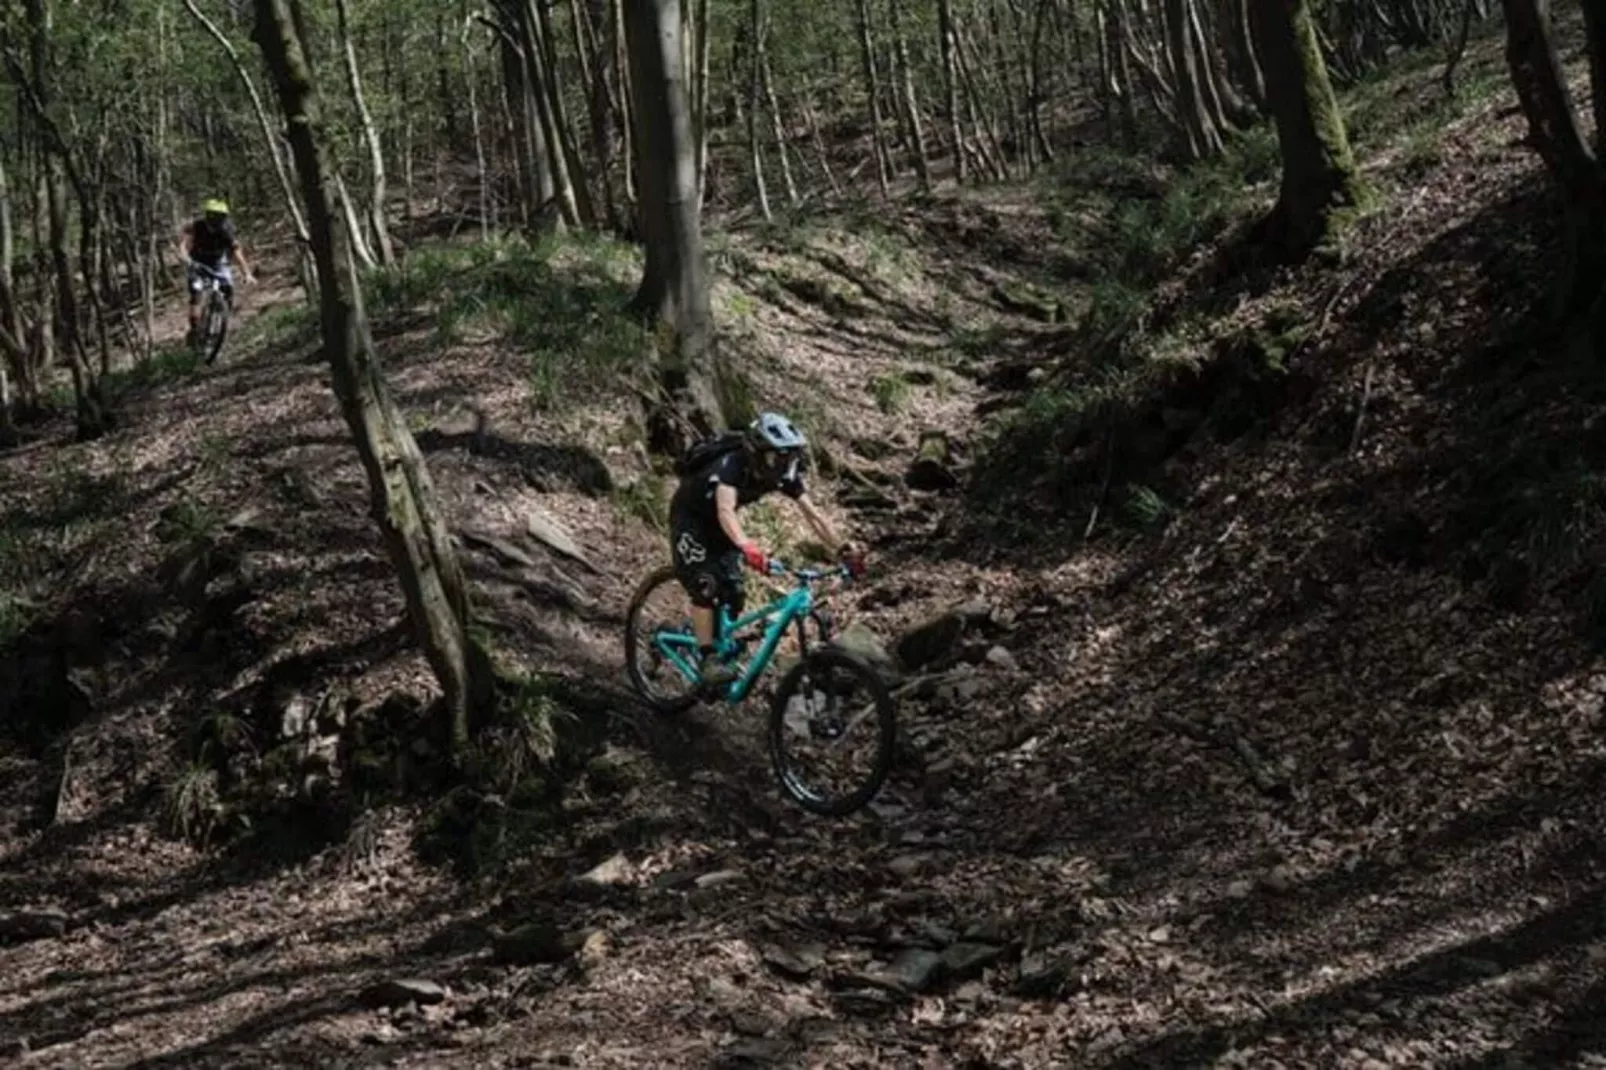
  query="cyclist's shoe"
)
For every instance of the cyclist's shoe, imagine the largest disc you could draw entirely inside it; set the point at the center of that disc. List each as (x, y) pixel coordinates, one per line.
(714, 672)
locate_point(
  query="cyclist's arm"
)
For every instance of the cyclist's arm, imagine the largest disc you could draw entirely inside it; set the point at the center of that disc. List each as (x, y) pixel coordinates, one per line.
(184, 236)
(725, 510)
(822, 527)
(245, 265)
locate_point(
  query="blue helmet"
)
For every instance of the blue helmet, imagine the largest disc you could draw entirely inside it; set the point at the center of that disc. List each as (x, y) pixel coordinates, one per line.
(774, 432)
(776, 446)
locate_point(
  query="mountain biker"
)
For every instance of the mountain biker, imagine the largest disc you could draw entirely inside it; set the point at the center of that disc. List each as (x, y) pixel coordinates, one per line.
(707, 543)
(210, 241)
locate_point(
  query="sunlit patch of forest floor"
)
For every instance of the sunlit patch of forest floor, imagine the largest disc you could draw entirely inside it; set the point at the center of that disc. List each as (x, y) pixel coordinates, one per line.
(1270, 735)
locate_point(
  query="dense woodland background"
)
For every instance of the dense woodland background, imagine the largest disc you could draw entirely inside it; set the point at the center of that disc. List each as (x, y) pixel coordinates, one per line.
(1216, 383)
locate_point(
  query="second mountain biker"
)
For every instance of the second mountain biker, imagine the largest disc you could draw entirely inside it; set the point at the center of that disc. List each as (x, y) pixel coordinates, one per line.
(211, 242)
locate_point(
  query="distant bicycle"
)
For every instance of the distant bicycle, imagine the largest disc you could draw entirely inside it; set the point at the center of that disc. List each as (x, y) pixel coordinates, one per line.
(214, 322)
(830, 698)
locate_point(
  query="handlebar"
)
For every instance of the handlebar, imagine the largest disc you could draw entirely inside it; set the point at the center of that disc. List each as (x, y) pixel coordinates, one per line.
(810, 575)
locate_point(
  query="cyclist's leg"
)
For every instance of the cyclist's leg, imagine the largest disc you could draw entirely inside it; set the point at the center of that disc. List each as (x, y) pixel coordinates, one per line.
(689, 553)
(697, 569)
(225, 283)
(732, 591)
(192, 280)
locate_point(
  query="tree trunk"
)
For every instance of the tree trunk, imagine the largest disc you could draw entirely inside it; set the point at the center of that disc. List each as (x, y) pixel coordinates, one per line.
(561, 208)
(1319, 179)
(981, 120)
(1119, 73)
(699, 103)
(443, 83)
(89, 252)
(92, 417)
(1243, 67)
(755, 145)
(1541, 84)
(348, 206)
(950, 85)
(627, 118)
(872, 85)
(1201, 136)
(821, 153)
(1227, 106)
(537, 185)
(402, 496)
(674, 284)
(777, 127)
(1595, 38)
(481, 171)
(599, 104)
(911, 104)
(15, 351)
(370, 136)
(578, 203)
(1036, 86)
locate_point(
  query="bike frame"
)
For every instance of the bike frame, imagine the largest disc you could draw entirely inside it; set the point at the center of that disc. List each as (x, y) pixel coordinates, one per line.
(211, 284)
(211, 275)
(680, 648)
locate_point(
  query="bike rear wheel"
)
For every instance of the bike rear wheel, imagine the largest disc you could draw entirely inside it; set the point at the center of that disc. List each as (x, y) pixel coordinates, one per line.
(214, 325)
(834, 698)
(659, 605)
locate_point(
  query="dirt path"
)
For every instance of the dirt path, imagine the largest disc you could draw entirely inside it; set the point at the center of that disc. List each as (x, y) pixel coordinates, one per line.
(1055, 878)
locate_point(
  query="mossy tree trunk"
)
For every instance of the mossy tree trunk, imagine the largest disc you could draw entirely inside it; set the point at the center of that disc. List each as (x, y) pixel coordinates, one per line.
(402, 496)
(1319, 179)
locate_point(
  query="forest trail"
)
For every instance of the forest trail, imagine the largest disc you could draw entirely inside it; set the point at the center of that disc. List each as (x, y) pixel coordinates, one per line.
(1408, 873)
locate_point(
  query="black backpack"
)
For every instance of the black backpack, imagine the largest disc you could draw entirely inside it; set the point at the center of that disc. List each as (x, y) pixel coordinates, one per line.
(699, 455)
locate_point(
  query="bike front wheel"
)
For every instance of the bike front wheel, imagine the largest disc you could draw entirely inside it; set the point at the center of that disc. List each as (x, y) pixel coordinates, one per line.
(832, 730)
(214, 326)
(659, 609)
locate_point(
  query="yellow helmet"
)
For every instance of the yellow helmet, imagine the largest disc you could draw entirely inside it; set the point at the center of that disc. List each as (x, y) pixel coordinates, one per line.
(216, 206)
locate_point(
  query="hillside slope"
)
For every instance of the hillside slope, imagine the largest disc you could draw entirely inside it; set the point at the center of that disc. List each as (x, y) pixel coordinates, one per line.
(1373, 598)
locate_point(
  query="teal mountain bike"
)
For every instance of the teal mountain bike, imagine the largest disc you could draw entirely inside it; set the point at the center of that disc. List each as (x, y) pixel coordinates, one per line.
(830, 700)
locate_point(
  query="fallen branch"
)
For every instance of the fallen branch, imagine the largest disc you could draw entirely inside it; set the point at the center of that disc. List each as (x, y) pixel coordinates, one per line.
(1104, 488)
(1261, 773)
(62, 784)
(1360, 415)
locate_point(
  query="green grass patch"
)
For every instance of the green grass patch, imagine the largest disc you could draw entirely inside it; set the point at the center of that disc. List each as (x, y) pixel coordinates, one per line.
(1135, 218)
(282, 327)
(560, 300)
(891, 392)
(646, 500)
(1404, 98)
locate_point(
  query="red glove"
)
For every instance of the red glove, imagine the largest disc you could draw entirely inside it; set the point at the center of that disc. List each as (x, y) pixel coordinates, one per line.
(855, 560)
(756, 559)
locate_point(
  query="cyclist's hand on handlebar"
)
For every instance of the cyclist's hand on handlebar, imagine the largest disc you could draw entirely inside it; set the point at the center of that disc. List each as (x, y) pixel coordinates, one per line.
(756, 559)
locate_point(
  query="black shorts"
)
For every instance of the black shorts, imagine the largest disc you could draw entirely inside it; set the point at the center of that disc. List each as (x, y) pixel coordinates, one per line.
(711, 573)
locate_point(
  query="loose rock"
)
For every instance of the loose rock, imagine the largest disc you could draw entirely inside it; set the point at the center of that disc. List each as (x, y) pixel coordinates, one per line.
(400, 993)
